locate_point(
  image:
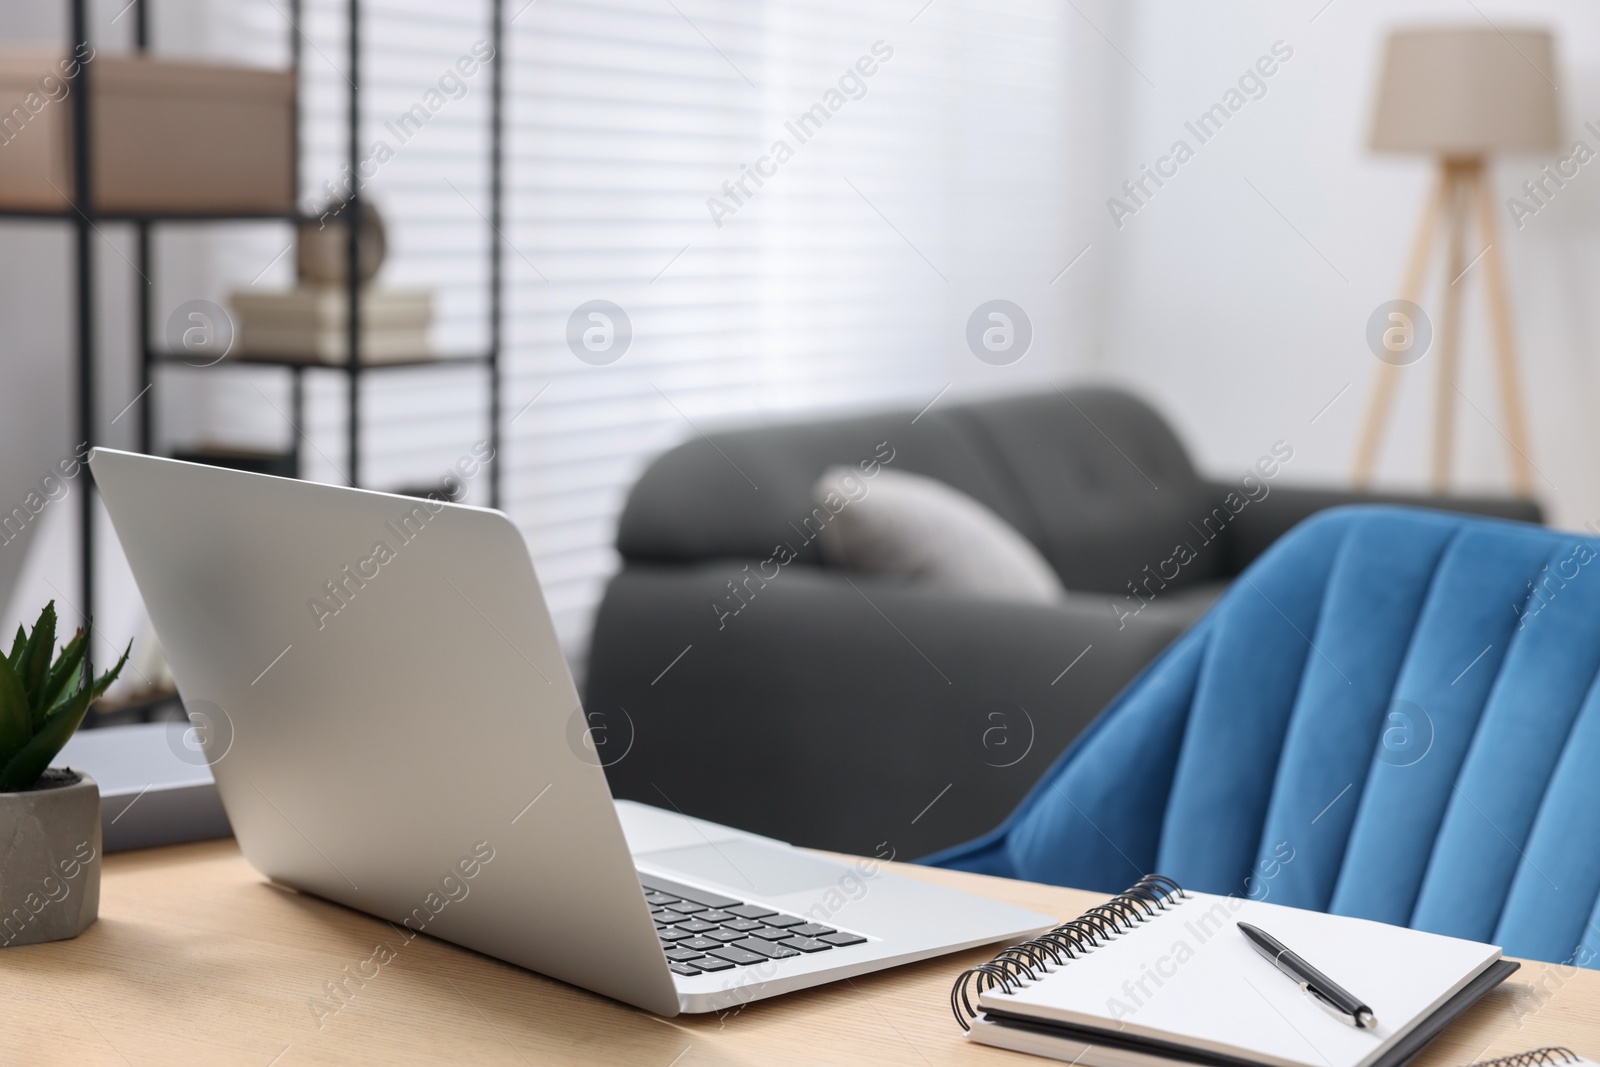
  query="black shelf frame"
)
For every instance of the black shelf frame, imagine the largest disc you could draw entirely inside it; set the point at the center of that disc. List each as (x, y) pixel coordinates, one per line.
(83, 218)
(268, 359)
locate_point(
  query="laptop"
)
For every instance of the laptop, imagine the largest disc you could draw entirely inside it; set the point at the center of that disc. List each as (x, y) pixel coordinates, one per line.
(378, 688)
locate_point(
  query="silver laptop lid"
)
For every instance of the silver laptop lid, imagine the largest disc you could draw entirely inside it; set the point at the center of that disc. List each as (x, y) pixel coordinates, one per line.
(392, 724)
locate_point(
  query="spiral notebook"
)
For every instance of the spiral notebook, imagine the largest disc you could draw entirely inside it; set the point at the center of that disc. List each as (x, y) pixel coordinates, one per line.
(1552, 1056)
(1161, 976)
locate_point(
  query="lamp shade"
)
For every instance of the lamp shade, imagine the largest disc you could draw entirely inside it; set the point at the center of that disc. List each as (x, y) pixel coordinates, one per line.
(1467, 92)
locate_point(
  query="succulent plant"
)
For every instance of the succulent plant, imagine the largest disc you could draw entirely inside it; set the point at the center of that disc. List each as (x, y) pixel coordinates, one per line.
(43, 698)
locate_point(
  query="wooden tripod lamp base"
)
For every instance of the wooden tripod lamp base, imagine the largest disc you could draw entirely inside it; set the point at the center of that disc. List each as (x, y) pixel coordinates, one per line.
(1461, 94)
(1461, 196)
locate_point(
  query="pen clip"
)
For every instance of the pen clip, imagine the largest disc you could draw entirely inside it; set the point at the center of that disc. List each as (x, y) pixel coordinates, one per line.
(1328, 1006)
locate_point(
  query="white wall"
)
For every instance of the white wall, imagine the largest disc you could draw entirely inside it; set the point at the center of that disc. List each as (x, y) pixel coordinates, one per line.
(1243, 331)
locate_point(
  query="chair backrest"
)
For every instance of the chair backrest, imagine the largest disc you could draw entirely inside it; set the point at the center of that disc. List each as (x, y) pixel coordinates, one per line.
(1392, 714)
(1094, 477)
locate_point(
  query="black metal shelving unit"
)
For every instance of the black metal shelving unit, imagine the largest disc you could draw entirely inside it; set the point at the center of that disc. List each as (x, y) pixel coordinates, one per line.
(84, 219)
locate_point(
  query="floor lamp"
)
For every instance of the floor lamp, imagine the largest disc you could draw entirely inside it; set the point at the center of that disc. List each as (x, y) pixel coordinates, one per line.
(1461, 95)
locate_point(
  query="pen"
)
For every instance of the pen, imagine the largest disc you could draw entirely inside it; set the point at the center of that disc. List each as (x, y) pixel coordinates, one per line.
(1324, 990)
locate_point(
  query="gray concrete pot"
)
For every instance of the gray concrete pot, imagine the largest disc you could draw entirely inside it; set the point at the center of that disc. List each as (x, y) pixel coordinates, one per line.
(50, 871)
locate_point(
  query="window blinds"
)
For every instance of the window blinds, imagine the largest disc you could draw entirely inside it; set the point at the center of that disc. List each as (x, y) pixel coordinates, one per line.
(794, 207)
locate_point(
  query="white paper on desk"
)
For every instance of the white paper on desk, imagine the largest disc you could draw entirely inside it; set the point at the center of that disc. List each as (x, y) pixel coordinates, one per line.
(1188, 976)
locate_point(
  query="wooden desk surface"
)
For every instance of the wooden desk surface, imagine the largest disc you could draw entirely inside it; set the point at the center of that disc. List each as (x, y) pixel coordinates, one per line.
(198, 960)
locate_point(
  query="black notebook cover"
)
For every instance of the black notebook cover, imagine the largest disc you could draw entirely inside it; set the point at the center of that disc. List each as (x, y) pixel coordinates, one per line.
(1402, 1052)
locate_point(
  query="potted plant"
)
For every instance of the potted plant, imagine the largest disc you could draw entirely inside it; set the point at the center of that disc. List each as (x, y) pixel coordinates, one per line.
(49, 816)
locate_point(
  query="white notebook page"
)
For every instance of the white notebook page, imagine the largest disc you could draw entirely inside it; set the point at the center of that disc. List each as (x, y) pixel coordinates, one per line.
(1188, 976)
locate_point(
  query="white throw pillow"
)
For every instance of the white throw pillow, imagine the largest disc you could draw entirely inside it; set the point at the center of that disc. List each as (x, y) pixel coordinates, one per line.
(920, 529)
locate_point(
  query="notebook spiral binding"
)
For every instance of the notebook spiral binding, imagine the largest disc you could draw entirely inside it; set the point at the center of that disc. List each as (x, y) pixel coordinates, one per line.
(1026, 961)
(1537, 1058)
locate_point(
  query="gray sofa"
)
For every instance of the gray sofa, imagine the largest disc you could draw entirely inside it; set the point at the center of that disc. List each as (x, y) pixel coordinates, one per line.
(840, 711)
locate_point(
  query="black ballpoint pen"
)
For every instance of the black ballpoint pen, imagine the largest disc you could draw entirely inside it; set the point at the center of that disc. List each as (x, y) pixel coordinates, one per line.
(1322, 989)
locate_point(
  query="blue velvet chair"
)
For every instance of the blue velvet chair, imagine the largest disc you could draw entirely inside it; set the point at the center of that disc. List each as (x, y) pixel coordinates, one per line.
(1391, 714)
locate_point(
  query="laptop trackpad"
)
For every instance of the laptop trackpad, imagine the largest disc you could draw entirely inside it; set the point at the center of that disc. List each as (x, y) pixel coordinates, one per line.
(747, 867)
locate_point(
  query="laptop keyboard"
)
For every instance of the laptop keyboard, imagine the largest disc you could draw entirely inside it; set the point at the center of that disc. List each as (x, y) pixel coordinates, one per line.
(705, 932)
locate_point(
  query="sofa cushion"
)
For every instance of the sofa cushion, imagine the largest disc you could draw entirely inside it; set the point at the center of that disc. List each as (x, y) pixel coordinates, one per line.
(1107, 485)
(894, 684)
(919, 529)
(1093, 477)
(739, 493)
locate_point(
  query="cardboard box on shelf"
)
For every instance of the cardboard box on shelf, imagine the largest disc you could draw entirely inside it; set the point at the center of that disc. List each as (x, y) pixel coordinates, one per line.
(166, 138)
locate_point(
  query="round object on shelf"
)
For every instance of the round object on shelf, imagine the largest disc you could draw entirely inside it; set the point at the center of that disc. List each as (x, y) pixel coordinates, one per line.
(323, 248)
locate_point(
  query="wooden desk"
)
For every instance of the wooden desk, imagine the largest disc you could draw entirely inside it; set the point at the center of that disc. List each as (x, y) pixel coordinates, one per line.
(197, 960)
